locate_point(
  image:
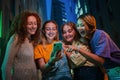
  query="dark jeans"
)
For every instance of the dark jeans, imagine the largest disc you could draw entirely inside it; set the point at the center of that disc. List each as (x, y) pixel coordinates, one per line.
(88, 73)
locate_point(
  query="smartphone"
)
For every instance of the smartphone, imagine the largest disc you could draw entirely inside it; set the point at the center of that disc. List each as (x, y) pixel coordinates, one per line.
(57, 46)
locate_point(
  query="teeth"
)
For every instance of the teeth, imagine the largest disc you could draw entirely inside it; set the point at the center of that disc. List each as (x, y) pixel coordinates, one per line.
(51, 34)
(68, 37)
(33, 30)
(83, 33)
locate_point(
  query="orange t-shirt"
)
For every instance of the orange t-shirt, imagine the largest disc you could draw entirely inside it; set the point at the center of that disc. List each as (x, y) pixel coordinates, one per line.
(43, 52)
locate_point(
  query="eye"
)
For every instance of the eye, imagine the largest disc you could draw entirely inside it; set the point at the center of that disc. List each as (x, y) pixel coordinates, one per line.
(80, 25)
(70, 30)
(29, 23)
(53, 29)
(48, 29)
(35, 23)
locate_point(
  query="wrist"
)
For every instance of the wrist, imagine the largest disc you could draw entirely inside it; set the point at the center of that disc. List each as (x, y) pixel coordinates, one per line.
(77, 49)
(51, 63)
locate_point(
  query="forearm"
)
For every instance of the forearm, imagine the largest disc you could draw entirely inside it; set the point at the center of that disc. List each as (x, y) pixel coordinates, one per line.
(51, 63)
(45, 67)
(92, 57)
(11, 50)
(8, 75)
(49, 66)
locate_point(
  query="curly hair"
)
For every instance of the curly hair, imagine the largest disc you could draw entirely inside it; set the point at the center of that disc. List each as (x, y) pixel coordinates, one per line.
(18, 26)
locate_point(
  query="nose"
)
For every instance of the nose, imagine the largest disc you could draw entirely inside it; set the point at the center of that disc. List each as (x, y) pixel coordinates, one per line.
(67, 33)
(81, 28)
(51, 30)
(34, 25)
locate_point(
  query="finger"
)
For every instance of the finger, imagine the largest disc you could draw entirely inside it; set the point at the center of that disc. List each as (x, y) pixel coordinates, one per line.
(59, 56)
(66, 46)
(69, 49)
(68, 54)
(59, 53)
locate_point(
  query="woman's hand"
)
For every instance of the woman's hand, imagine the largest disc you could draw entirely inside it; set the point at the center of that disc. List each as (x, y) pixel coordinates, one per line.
(58, 56)
(55, 57)
(68, 49)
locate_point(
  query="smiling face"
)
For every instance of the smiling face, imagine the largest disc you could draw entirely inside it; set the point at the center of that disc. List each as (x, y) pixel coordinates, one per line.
(68, 33)
(31, 25)
(86, 25)
(50, 31)
(82, 28)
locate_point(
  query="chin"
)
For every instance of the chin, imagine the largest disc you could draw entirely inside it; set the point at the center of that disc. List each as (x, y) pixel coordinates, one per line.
(32, 33)
(51, 38)
(70, 40)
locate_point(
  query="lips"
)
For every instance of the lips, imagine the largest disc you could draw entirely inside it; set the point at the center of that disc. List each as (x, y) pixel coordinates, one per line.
(32, 31)
(82, 31)
(69, 38)
(51, 34)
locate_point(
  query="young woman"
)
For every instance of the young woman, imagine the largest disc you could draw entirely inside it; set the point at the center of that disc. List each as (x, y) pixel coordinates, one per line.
(53, 67)
(89, 67)
(101, 45)
(19, 62)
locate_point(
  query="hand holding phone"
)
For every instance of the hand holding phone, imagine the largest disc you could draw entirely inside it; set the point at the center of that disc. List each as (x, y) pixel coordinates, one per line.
(57, 46)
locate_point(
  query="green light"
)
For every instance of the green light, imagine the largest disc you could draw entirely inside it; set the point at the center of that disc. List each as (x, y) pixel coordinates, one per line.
(0, 24)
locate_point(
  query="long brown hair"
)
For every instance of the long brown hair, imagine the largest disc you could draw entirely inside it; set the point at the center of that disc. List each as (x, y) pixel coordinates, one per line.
(72, 25)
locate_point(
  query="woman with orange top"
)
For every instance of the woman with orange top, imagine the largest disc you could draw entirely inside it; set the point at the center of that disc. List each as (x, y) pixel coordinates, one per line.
(53, 67)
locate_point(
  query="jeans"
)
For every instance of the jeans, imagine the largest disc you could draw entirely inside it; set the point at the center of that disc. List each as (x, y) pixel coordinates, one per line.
(60, 71)
(88, 73)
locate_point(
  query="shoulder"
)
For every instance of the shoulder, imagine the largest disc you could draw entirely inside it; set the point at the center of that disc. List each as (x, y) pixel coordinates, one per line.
(100, 33)
(13, 38)
(39, 46)
(97, 31)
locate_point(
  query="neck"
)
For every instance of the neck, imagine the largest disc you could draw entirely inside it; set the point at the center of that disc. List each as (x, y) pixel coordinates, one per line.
(50, 41)
(84, 40)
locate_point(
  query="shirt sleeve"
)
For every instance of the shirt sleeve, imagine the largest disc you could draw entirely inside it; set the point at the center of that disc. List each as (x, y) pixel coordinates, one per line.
(37, 53)
(102, 46)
